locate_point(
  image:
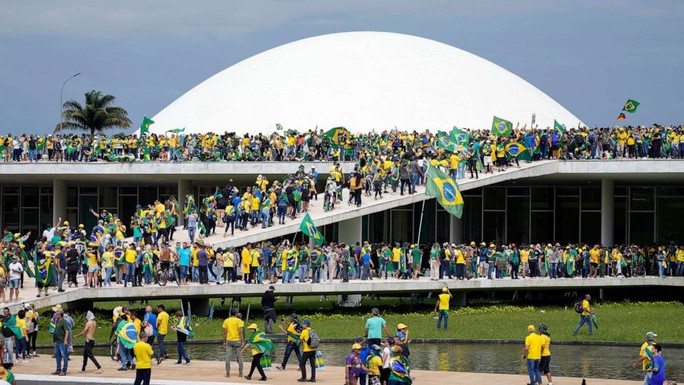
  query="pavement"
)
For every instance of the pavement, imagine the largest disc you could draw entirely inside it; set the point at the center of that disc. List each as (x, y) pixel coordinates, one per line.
(37, 371)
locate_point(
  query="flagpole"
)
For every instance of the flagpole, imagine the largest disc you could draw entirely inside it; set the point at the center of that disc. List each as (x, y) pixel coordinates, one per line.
(422, 210)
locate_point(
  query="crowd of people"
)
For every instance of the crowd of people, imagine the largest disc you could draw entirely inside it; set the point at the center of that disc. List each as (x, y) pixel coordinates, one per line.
(316, 145)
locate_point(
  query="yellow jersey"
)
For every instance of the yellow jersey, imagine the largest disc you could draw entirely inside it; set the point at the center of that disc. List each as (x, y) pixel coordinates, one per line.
(533, 342)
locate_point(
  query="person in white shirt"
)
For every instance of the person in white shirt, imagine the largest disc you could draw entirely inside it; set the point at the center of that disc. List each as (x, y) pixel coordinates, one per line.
(15, 270)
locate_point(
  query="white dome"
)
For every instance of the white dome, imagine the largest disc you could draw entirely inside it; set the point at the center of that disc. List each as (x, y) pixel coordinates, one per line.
(362, 81)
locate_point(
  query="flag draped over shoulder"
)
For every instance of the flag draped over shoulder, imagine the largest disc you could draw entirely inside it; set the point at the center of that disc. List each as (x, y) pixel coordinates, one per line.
(444, 141)
(128, 335)
(44, 271)
(307, 227)
(185, 325)
(445, 190)
(338, 135)
(631, 106)
(11, 323)
(259, 341)
(501, 127)
(145, 125)
(558, 126)
(518, 150)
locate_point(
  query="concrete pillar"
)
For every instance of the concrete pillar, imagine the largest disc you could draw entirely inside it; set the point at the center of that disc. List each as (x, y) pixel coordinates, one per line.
(59, 200)
(198, 306)
(350, 231)
(78, 307)
(459, 298)
(184, 187)
(607, 211)
(455, 230)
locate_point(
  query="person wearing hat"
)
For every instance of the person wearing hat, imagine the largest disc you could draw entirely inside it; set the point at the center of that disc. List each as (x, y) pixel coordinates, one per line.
(646, 356)
(544, 363)
(352, 366)
(259, 345)
(293, 332)
(309, 352)
(533, 348)
(442, 308)
(16, 270)
(400, 370)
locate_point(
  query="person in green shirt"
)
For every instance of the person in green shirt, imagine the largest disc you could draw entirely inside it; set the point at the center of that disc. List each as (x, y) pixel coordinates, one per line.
(417, 259)
(61, 340)
(434, 262)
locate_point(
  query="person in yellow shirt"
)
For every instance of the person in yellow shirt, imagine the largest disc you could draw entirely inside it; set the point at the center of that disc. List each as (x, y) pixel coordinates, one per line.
(442, 308)
(233, 340)
(585, 316)
(545, 353)
(143, 361)
(130, 256)
(594, 256)
(373, 365)
(309, 352)
(246, 257)
(108, 265)
(646, 355)
(256, 337)
(533, 348)
(162, 330)
(525, 260)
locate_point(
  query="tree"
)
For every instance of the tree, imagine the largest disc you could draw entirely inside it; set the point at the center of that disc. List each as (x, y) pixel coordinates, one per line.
(97, 115)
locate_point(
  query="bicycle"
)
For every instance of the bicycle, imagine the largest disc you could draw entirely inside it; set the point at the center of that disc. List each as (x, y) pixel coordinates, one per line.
(163, 275)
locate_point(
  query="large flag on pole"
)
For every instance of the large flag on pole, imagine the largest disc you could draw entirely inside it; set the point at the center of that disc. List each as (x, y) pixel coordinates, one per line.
(518, 150)
(145, 125)
(501, 127)
(307, 227)
(631, 106)
(444, 141)
(445, 190)
(558, 126)
(338, 135)
(459, 136)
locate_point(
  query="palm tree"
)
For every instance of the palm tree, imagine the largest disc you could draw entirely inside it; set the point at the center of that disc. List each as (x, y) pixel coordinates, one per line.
(97, 115)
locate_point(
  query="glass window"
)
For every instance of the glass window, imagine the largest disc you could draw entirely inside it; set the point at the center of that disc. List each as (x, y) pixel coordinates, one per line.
(476, 191)
(591, 198)
(472, 218)
(641, 228)
(46, 190)
(620, 221)
(567, 191)
(443, 227)
(149, 194)
(108, 197)
(620, 191)
(567, 219)
(402, 226)
(89, 190)
(494, 226)
(519, 191)
(72, 216)
(494, 198)
(670, 210)
(542, 227)
(427, 232)
(29, 220)
(10, 212)
(591, 228)
(172, 190)
(10, 190)
(542, 198)
(670, 191)
(30, 196)
(72, 197)
(641, 198)
(518, 220)
(45, 210)
(128, 190)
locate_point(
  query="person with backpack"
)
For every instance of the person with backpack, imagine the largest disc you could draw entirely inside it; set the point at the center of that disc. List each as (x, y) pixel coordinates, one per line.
(585, 311)
(310, 342)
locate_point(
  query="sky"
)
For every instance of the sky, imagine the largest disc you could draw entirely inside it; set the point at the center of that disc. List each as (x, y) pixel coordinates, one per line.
(590, 56)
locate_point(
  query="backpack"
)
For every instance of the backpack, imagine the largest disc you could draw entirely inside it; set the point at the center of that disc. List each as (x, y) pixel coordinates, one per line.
(314, 341)
(578, 307)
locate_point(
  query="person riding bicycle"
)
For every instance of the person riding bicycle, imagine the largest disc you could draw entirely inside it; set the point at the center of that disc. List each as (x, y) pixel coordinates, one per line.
(166, 257)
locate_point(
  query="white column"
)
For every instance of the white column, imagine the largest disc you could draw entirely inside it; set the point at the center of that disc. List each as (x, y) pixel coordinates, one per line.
(350, 231)
(59, 200)
(184, 187)
(607, 211)
(455, 230)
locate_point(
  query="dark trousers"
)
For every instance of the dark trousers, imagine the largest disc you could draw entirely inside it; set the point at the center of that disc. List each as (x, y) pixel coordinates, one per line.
(289, 348)
(311, 357)
(142, 376)
(88, 353)
(256, 364)
(32, 341)
(203, 274)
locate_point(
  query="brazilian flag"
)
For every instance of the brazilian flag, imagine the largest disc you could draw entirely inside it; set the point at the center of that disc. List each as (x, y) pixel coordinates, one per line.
(176, 130)
(128, 335)
(338, 135)
(44, 271)
(558, 126)
(459, 136)
(185, 325)
(291, 261)
(501, 127)
(145, 125)
(631, 106)
(518, 150)
(444, 141)
(307, 227)
(445, 190)
(259, 341)
(11, 323)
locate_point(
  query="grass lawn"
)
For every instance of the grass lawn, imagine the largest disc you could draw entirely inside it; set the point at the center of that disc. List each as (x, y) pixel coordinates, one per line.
(618, 322)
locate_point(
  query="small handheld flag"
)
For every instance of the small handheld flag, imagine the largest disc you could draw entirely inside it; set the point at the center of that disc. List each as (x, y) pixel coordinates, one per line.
(558, 126)
(501, 127)
(307, 227)
(631, 106)
(145, 125)
(622, 116)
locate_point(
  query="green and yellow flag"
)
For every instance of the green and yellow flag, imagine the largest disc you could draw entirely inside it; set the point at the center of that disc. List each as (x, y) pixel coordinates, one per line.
(501, 127)
(44, 271)
(631, 106)
(145, 125)
(444, 141)
(279, 127)
(518, 150)
(307, 227)
(176, 130)
(445, 190)
(558, 126)
(338, 135)
(459, 136)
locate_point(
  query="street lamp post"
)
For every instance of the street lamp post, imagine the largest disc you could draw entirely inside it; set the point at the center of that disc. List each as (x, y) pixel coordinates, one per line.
(61, 103)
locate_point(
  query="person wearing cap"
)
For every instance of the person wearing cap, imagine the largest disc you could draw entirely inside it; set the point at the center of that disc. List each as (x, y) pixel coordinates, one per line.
(400, 369)
(352, 366)
(646, 356)
(143, 360)
(309, 353)
(257, 342)
(442, 308)
(585, 316)
(293, 332)
(544, 363)
(533, 348)
(372, 365)
(233, 340)
(61, 339)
